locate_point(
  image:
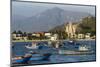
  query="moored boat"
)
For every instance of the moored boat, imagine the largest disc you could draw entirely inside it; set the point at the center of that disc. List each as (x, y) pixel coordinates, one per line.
(38, 57)
(21, 59)
(82, 50)
(34, 46)
(72, 52)
(73, 42)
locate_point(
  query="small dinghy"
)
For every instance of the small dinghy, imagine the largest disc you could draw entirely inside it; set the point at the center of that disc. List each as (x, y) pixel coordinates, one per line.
(34, 46)
(21, 59)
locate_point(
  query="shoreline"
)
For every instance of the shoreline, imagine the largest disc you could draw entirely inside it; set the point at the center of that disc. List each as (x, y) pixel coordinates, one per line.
(49, 40)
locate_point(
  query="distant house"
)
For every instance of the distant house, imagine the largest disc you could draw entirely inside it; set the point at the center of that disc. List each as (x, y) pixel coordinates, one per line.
(14, 36)
(25, 38)
(38, 34)
(87, 35)
(80, 36)
(47, 34)
(33, 34)
(93, 37)
(54, 37)
(17, 36)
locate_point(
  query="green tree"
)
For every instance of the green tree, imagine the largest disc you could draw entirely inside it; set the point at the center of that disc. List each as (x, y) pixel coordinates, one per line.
(88, 25)
(29, 35)
(14, 32)
(19, 32)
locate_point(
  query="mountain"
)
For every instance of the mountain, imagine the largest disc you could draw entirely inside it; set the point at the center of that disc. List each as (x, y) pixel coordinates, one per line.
(16, 21)
(47, 20)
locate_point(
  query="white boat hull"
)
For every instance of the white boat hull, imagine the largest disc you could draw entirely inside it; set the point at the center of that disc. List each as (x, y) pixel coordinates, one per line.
(31, 47)
(69, 52)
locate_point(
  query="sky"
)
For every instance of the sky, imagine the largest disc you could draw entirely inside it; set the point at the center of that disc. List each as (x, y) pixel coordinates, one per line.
(24, 10)
(28, 9)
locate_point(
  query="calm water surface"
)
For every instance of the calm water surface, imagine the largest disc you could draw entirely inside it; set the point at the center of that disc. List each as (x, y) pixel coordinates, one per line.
(19, 49)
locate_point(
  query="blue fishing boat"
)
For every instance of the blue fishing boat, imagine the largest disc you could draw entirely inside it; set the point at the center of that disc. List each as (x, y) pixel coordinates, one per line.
(72, 42)
(39, 57)
(21, 59)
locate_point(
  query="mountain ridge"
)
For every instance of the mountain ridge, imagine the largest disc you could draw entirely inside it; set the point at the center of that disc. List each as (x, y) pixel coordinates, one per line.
(48, 19)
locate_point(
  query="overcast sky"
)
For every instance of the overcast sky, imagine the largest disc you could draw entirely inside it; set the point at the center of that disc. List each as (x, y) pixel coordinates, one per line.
(31, 8)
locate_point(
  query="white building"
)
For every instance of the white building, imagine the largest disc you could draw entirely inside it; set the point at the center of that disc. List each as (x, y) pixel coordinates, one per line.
(87, 36)
(70, 29)
(16, 36)
(25, 38)
(47, 34)
(33, 34)
(54, 37)
(80, 36)
(36, 34)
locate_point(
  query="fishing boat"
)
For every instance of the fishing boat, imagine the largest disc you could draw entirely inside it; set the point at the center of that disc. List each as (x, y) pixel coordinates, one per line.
(72, 52)
(82, 50)
(21, 59)
(39, 57)
(34, 46)
(71, 42)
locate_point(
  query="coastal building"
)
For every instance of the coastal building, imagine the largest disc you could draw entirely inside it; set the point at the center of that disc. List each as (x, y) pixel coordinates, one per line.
(70, 29)
(33, 34)
(87, 36)
(25, 38)
(54, 37)
(93, 37)
(16, 36)
(80, 36)
(19, 38)
(47, 34)
(37, 34)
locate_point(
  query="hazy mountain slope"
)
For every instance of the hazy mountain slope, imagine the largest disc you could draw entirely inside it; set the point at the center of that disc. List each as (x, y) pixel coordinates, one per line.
(47, 20)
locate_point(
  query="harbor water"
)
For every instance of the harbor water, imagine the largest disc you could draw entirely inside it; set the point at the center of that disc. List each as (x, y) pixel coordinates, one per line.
(19, 49)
